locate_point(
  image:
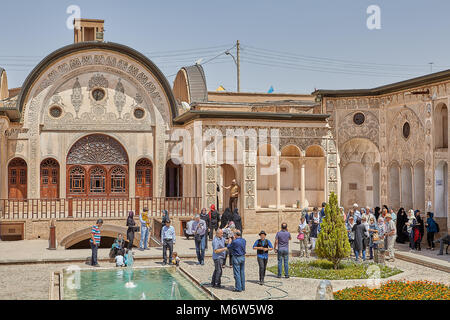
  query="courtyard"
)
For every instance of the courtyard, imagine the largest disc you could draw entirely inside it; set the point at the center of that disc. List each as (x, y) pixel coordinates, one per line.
(30, 264)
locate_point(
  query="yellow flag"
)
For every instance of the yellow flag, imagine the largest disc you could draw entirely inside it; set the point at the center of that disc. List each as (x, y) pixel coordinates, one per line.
(220, 88)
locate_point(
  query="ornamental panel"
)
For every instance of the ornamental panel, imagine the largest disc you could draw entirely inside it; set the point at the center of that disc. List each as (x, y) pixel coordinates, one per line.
(97, 149)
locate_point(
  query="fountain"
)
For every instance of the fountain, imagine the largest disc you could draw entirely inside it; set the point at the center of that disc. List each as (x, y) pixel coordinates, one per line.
(175, 294)
(130, 284)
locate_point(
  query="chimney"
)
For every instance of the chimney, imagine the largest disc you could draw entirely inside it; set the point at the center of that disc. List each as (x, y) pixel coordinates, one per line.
(88, 30)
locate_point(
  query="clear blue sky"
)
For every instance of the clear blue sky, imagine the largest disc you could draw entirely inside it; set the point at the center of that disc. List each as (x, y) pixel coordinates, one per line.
(319, 44)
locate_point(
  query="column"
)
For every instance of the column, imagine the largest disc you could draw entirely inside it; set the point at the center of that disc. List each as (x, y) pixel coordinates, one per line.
(302, 184)
(278, 186)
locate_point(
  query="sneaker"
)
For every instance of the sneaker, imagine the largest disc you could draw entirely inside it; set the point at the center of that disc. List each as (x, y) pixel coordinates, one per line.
(141, 249)
(219, 287)
(287, 277)
(164, 263)
(236, 290)
(147, 248)
(279, 277)
(440, 254)
(202, 263)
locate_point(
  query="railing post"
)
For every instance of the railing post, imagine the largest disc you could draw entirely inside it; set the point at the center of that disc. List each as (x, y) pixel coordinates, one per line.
(52, 240)
(70, 207)
(137, 205)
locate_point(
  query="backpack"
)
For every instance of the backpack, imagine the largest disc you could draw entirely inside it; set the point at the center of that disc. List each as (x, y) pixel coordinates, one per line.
(437, 226)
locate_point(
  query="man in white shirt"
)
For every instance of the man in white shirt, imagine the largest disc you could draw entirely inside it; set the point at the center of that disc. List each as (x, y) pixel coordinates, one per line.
(168, 240)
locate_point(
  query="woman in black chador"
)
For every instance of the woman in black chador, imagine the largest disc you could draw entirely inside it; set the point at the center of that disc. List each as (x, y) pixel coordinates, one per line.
(237, 220)
(402, 218)
(226, 217)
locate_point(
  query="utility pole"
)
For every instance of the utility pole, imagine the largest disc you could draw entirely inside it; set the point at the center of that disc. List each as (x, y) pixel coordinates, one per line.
(238, 67)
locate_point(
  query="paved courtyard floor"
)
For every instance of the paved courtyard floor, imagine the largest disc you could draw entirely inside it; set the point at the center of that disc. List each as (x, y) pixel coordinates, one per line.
(27, 280)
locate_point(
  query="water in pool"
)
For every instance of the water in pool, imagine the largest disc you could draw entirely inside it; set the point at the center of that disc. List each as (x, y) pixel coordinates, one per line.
(147, 283)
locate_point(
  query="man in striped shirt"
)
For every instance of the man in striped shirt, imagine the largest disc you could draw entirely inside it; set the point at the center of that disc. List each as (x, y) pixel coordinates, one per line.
(95, 241)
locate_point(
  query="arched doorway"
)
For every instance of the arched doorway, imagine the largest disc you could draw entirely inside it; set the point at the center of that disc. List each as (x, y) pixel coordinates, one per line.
(419, 186)
(227, 174)
(17, 179)
(441, 126)
(360, 173)
(290, 176)
(441, 190)
(144, 178)
(97, 166)
(394, 185)
(174, 179)
(49, 179)
(407, 189)
(266, 176)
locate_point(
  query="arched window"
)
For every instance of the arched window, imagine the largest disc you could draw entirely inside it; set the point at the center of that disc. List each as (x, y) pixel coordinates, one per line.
(17, 179)
(49, 179)
(97, 180)
(118, 180)
(76, 180)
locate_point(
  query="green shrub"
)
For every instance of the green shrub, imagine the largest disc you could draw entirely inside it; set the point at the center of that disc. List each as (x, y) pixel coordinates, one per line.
(332, 242)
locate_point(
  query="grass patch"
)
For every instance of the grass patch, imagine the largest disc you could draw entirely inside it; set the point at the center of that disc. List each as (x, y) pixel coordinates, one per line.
(323, 269)
(397, 290)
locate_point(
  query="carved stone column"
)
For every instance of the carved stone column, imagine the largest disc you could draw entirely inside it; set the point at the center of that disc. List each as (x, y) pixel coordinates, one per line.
(4, 123)
(429, 158)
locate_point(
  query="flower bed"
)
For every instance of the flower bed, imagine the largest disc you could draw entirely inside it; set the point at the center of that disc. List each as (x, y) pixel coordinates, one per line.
(397, 290)
(323, 269)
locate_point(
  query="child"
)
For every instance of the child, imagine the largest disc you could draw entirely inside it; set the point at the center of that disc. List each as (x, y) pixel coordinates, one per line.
(175, 259)
(120, 261)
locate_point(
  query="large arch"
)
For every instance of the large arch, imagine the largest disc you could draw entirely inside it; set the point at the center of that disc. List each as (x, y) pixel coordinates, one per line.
(97, 166)
(39, 72)
(419, 186)
(108, 230)
(360, 173)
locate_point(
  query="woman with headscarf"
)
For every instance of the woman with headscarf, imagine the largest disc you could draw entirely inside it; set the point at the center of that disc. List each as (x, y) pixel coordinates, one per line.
(373, 230)
(303, 234)
(419, 230)
(314, 226)
(131, 224)
(410, 229)
(377, 212)
(349, 225)
(237, 220)
(401, 221)
(359, 245)
(342, 212)
(226, 217)
(214, 218)
(205, 217)
(431, 230)
(165, 217)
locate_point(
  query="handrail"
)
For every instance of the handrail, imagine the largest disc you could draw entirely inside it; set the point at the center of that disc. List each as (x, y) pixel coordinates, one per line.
(69, 208)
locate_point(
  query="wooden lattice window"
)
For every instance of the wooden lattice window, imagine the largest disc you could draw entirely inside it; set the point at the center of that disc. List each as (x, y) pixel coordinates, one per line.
(97, 180)
(118, 180)
(76, 180)
(97, 149)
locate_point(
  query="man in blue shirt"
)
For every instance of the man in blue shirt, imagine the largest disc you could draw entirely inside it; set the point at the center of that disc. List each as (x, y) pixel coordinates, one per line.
(282, 239)
(199, 228)
(168, 240)
(263, 246)
(237, 250)
(219, 254)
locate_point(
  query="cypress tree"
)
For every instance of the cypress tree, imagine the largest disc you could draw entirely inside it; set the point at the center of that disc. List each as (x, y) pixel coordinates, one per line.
(332, 242)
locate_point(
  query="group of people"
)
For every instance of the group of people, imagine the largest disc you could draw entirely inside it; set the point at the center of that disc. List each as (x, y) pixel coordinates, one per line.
(367, 228)
(235, 247)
